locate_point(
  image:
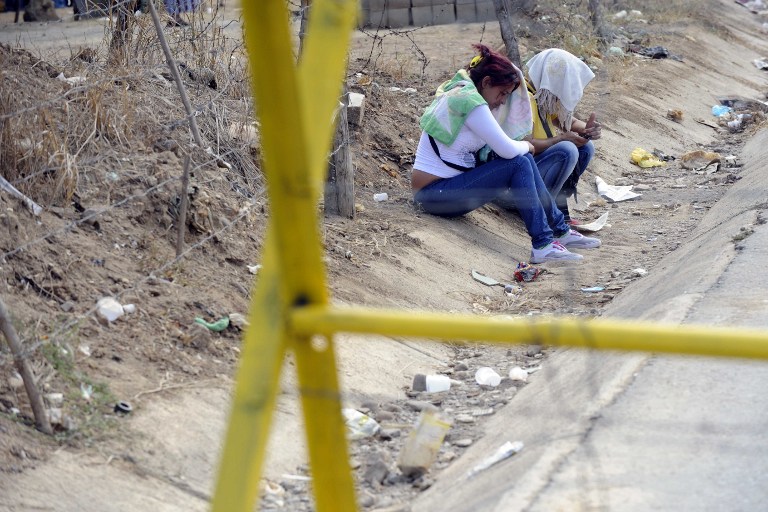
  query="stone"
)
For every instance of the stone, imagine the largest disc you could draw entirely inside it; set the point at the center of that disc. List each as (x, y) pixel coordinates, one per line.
(533, 350)
(356, 109)
(391, 407)
(376, 468)
(465, 418)
(390, 433)
(382, 416)
(419, 405)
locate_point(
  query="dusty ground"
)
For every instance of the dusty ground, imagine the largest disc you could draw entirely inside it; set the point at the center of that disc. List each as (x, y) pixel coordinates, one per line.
(104, 158)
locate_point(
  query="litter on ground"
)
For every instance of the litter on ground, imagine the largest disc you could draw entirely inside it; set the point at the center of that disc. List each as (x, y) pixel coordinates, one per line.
(595, 225)
(645, 159)
(615, 193)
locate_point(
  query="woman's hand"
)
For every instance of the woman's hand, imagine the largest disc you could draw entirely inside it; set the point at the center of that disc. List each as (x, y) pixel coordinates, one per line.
(531, 149)
(593, 130)
(574, 137)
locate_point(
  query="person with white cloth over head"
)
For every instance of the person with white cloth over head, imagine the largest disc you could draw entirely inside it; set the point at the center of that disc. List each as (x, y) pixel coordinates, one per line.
(556, 80)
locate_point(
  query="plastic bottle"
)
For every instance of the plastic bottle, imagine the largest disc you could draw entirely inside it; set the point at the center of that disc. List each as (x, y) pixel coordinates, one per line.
(380, 197)
(423, 444)
(486, 376)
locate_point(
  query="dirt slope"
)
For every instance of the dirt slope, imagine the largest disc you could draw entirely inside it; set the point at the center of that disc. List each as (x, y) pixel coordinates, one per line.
(178, 375)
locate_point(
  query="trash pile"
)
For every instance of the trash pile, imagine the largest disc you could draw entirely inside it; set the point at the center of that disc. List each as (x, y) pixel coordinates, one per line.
(736, 113)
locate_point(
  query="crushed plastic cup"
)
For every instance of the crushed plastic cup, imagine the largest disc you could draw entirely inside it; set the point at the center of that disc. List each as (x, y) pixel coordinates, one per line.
(359, 425)
(518, 373)
(110, 309)
(431, 383)
(486, 376)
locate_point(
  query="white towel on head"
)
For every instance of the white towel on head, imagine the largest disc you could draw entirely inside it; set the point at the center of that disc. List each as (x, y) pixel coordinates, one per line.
(562, 74)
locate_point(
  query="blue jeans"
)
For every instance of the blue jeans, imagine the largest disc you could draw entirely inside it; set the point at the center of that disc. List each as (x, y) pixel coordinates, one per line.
(557, 163)
(517, 179)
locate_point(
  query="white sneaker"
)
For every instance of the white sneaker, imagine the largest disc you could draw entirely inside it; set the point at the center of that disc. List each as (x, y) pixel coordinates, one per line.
(576, 240)
(553, 252)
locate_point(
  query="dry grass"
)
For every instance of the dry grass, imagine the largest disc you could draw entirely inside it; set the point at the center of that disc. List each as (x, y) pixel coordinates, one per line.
(58, 137)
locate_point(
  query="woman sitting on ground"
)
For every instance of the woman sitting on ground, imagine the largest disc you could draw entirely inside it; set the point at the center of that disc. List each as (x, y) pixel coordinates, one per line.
(449, 181)
(556, 80)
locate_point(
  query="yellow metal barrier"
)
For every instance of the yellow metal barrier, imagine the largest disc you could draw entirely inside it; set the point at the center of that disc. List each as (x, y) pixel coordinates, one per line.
(290, 306)
(598, 334)
(295, 105)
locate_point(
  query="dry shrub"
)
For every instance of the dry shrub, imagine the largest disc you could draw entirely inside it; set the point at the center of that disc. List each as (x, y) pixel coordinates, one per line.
(31, 140)
(97, 137)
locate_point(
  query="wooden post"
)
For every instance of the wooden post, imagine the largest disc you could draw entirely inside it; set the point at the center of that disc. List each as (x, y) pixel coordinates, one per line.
(182, 220)
(340, 185)
(22, 365)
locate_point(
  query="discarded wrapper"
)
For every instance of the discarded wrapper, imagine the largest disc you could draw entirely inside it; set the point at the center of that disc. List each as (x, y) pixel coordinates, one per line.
(614, 193)
(217, 326)
(645, 159)
(595, 225)
(526, 272)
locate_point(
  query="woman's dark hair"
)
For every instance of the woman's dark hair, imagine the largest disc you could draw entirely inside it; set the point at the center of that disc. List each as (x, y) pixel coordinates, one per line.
(494, 65)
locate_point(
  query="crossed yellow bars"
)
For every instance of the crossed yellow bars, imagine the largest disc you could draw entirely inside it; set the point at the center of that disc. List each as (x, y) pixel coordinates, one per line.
(290, 305)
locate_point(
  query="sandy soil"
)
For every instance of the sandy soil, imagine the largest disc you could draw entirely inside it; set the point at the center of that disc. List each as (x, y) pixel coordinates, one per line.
(177, 374)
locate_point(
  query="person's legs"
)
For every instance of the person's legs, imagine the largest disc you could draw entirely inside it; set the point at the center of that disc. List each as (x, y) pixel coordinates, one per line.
(556, 219)
(516, 178)
(586, 152)
(584, 156)
(556, 163)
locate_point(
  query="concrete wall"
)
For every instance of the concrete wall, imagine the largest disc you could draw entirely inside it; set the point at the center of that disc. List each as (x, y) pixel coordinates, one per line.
(407, 13)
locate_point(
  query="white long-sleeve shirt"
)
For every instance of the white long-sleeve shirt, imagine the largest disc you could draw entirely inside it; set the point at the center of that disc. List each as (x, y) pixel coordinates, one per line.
(480, 128)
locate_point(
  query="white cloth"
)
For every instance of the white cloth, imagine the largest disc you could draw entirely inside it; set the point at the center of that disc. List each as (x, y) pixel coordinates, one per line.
(479, 129)
(562, 74)
(615, 193)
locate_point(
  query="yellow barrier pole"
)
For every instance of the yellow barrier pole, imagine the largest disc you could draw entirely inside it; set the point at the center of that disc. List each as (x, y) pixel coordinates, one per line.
(598, 334)
(295, 109)
(256, 389)
(321, 70)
